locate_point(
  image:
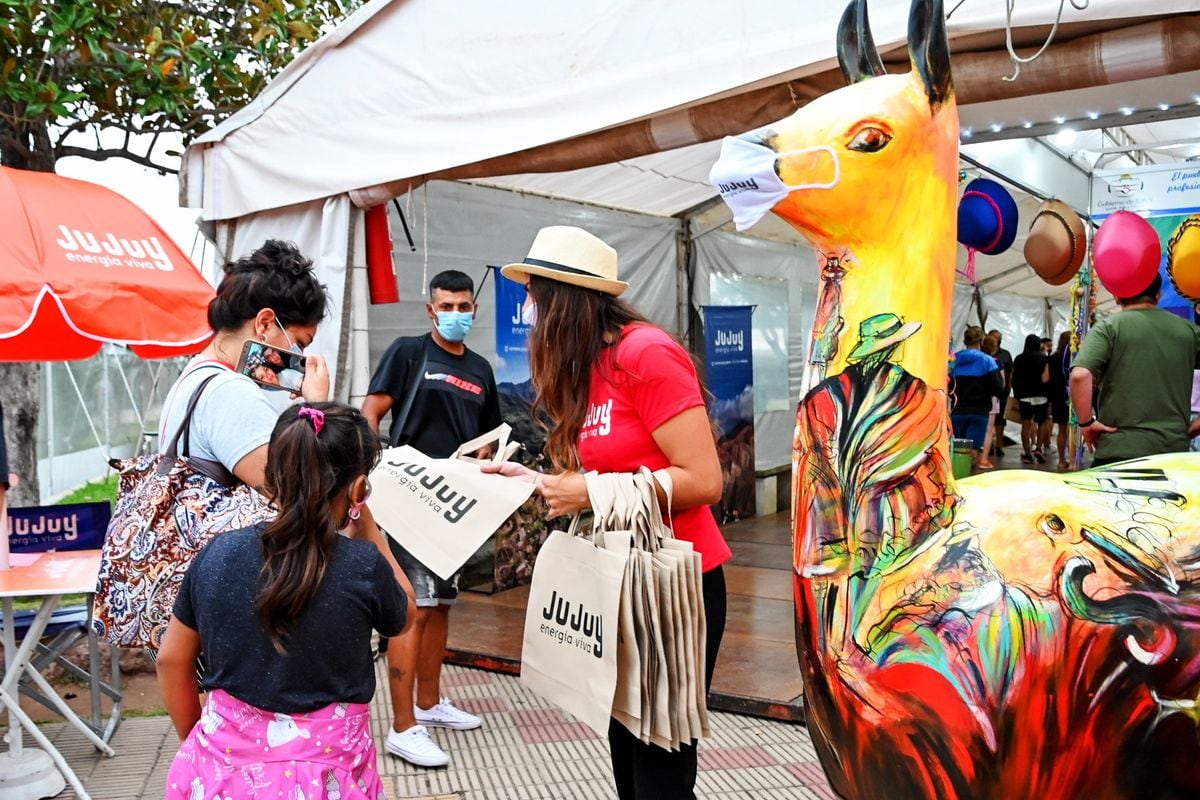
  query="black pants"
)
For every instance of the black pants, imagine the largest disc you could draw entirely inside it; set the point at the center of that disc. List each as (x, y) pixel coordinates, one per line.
(646, 771)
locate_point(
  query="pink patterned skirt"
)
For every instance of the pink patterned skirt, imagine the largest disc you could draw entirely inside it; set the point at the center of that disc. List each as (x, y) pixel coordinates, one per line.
(238, 751)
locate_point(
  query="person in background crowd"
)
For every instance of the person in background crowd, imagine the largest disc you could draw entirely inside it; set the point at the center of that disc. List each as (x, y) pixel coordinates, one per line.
(976, 383)
(1047, 346)
(282, 613)
(1005, 360)
(271, 295)
(1060, 410)
(989, 346)
(622, 394)
(454, 400)
(1143, 358)
(1030, 376)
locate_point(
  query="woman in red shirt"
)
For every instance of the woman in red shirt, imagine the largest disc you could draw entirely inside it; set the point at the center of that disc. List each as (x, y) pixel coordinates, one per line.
(622, 394)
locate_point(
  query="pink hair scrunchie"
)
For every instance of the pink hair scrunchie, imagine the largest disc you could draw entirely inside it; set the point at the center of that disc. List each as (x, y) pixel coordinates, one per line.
(314, 415)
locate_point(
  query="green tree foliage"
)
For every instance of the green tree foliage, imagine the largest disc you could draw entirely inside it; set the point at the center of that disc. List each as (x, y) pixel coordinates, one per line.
(72, 68)
(179, 66)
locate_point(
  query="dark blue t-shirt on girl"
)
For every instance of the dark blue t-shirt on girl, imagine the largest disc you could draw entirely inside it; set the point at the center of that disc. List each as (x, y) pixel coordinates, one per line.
(329, 658)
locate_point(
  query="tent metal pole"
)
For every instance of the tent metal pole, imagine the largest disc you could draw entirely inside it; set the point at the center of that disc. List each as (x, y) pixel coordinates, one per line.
(1001, 275)
(87, 414)
(1026, 188)
(50, 432)
(980, 311)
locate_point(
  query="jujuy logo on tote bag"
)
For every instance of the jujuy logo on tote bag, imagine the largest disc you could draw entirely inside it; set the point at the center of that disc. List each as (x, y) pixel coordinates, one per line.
(433, 488)
(585, 625)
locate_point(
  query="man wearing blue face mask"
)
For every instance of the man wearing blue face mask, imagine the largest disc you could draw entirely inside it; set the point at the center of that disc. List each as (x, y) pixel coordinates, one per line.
(440, 395)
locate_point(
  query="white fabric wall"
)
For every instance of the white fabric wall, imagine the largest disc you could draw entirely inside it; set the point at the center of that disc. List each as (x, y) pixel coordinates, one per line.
(780, 273)
(467, 227)
(1013, 315)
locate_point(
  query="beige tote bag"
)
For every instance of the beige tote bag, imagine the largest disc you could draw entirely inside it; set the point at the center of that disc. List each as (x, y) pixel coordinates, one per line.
(441, 510)
(569, 649)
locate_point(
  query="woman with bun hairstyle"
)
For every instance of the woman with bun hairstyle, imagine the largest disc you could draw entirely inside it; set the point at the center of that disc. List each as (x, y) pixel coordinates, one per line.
(271, 295)
(282, 613)
(622, 394)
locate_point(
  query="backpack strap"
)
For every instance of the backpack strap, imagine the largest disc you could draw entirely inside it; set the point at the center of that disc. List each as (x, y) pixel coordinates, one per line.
(400, 413)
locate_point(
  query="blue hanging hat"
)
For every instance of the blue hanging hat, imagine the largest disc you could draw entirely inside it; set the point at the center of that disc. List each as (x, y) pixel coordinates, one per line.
(987, 217)
(987, 220)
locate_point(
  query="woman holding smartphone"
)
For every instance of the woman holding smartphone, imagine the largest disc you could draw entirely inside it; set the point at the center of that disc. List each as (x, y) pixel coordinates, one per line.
(622, 394)
(272, 296)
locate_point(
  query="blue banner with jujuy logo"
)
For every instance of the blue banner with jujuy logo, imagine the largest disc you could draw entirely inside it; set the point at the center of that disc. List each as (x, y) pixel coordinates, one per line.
(512, 335)
(730, 372)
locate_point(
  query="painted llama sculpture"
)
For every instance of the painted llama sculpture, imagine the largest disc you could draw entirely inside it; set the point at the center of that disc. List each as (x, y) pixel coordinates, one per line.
(1016, 635)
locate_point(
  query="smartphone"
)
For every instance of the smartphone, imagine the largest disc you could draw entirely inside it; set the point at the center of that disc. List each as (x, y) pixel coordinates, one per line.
(271, 367)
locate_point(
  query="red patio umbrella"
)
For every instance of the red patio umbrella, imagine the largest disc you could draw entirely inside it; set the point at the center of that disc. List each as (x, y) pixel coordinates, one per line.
(80, 265)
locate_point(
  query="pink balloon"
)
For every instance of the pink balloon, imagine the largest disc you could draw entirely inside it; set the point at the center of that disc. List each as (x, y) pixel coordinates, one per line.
(1126, 252)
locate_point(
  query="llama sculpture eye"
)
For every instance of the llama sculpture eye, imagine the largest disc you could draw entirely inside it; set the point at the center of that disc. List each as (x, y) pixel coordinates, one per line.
(870, 140)
(1053, 525)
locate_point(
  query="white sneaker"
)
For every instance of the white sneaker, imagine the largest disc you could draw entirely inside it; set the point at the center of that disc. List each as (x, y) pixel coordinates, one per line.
(446, 715)
(416, 747)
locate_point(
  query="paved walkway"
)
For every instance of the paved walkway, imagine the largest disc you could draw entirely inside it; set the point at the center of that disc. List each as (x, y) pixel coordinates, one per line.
(526, 750)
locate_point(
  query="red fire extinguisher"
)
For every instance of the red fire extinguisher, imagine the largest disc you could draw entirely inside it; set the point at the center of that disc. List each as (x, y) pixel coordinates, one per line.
(381, 270)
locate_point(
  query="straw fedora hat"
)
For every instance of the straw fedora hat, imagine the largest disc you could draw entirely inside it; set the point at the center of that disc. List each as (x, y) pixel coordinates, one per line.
(880, 332)
(569, 255)
(1057, 243)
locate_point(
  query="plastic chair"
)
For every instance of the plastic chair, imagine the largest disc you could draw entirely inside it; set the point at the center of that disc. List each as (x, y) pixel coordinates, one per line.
(79, 526)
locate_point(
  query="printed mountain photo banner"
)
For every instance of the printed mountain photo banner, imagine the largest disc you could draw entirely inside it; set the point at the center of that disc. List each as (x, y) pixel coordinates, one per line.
(730, 370)
(1171, 299)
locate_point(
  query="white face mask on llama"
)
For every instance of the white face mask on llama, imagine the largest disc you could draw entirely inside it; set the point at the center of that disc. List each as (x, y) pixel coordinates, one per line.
(746, 178)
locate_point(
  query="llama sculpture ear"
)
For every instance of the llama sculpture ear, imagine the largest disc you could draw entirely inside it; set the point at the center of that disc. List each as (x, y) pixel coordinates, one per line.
(929, 50)
(856, 51)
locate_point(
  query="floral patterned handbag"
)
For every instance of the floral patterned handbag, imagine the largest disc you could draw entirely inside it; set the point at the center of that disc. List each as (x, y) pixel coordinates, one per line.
(168, 507)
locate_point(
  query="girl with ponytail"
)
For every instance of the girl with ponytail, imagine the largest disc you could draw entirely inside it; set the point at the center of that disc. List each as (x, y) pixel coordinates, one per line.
(271, 295)
(282, 614)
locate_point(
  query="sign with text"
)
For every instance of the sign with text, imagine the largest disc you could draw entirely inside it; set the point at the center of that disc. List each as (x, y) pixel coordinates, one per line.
(512, 335)
(730, 361)
(77, 526)
(1160, 190)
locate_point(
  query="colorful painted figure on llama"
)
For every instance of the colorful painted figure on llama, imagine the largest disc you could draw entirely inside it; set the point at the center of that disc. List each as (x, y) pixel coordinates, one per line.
(1014, 635)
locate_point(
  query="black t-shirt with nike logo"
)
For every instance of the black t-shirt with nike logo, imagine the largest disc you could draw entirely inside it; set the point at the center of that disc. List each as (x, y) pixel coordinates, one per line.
(456, 399)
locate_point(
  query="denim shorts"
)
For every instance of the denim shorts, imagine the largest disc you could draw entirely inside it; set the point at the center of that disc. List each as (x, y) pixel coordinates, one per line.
(429, 590)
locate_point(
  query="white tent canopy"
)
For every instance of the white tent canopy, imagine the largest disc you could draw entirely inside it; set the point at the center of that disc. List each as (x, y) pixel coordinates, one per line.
(407, 89)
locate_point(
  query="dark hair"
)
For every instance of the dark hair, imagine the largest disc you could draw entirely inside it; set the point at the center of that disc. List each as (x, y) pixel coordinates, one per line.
(452, 280)
(275, 276)
(305, 472)
(1147, 295)
(1033, 344)
(1064, 342)
(574, 328)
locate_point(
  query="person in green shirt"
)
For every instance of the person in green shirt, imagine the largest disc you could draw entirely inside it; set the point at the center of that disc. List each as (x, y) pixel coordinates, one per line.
(1143, 359)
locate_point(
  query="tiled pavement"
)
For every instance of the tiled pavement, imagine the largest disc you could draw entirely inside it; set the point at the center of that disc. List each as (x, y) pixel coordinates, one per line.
(526, 750)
